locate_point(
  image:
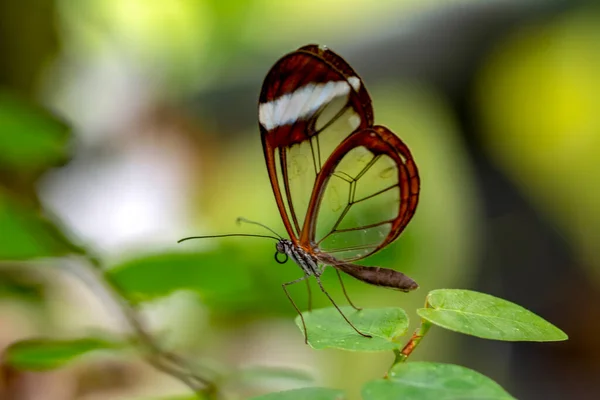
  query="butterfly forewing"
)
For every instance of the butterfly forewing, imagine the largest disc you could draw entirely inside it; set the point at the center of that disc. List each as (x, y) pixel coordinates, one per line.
(297, 180)
(310, 102)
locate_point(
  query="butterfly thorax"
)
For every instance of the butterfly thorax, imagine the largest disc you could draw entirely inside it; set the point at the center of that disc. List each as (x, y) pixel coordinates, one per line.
(306, 261)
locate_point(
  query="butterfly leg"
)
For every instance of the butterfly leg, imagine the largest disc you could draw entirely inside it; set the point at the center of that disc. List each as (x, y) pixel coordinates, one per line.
(344, 290)
(340, 311)
(309, 294)
(284, 286)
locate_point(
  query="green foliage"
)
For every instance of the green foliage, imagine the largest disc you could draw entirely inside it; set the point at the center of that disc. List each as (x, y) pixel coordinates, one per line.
(30, 139)
(254, 377)
(156, 276)
(17, 284)
(303, 394)
(27, 234)
(486, 316)
(47, 354)
(327, 329)
(433, 381)
(31, 142)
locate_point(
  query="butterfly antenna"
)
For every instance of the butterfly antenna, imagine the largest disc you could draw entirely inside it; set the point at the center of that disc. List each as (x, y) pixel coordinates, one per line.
(241, 219)
(227, 235)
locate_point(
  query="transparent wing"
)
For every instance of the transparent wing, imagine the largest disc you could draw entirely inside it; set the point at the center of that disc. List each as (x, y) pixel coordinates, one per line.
(363, 198)
(310, 102)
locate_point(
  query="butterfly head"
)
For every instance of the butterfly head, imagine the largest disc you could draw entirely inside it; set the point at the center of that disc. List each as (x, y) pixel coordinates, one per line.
(283, 246)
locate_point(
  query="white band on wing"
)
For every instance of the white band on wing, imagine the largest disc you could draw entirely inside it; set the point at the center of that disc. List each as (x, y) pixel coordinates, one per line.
(303, 102)
(355, 82)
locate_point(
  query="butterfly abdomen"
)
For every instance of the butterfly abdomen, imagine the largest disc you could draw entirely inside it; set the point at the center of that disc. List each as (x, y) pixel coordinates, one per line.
(379, 276)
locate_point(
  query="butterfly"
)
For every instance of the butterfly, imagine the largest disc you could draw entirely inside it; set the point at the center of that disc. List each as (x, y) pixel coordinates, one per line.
(345, 188)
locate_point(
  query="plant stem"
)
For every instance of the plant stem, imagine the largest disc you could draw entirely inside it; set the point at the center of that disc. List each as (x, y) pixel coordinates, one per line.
(402, 355)
(91, 274)
(413, 342)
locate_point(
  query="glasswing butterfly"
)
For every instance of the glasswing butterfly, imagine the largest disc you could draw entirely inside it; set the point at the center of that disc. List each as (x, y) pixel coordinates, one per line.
(345, 188)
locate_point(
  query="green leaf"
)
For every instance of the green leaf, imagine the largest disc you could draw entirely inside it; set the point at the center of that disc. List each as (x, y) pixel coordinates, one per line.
(30, 138)
(27, 234)
(46, 354)
(304, 394)
(159, 275)
(327, 328)
(487, 317)
(433, 381)
(21, 284)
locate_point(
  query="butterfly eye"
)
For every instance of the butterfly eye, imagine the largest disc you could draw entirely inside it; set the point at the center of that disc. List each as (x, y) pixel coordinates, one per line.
(278, 259)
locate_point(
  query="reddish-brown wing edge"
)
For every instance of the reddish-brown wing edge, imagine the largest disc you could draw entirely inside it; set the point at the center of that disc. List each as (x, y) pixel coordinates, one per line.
(360, 99)
(379, 140)
(339, 64)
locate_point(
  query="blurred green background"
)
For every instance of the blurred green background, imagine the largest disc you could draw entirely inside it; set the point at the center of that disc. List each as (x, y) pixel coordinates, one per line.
(128, 124)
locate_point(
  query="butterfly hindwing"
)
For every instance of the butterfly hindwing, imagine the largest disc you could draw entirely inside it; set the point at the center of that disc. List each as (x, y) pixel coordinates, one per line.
(365, 195)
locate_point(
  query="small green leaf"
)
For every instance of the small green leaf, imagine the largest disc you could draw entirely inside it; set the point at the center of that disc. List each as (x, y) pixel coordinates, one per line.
(30, 138)
(433, 381)
(327, 328)
(487, 317)
(46, 354)
(26, 234)
(22, 284)
(304, 394)
(156, 276)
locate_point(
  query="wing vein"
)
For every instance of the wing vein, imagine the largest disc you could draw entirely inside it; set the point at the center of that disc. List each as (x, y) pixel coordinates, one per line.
(318, 151)
(288, 194)
(351, 248)
(335, 118)
(376, 193)
(367, 167)
(314, 159)
(357, 228)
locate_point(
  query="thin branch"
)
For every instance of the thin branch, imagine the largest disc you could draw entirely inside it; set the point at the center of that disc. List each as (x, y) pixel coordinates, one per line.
(402, 355)
(91, 274)
(413, 342)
